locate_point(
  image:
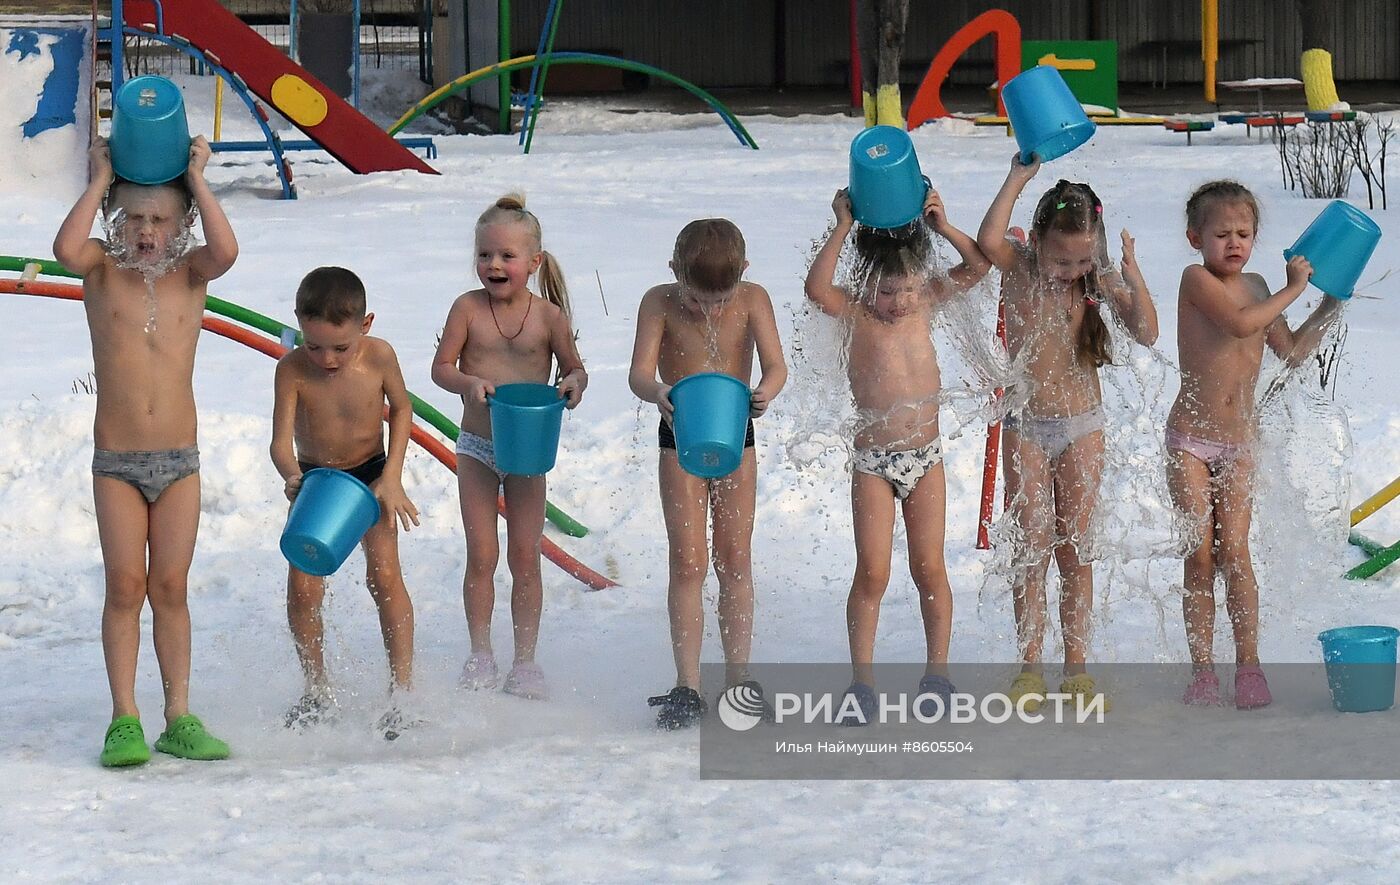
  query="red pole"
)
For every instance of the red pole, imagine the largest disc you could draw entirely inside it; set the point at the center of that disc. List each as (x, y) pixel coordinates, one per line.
(989, 468)
(857, 101)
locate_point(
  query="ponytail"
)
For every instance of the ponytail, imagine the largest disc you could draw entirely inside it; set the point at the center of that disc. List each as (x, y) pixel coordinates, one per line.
(552, 284)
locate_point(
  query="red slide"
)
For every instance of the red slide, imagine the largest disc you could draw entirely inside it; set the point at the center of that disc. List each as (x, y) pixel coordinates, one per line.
(349, 136)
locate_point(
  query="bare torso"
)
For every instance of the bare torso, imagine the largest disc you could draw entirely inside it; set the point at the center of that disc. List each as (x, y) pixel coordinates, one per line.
(143, 359)
(693, 342)
(1042, 328)
(511, 345)
(895, 381)
(1218, 371)
(339, 416)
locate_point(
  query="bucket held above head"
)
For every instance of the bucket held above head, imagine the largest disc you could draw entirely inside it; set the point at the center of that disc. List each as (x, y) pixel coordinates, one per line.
(150, 139)
(887, 189)
(1048, 120)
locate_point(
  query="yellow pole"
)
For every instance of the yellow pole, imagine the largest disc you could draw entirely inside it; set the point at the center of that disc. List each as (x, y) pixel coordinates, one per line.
(1376, 501)
(218, 106)
(1210, 43)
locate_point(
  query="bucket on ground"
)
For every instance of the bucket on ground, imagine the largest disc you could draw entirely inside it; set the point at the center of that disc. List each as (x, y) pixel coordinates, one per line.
(525, 420)
(330, 514)
(1360, 667)
(887, 189)
(1338, 244)
(150, 141)
(710, 422)
(1046, 117)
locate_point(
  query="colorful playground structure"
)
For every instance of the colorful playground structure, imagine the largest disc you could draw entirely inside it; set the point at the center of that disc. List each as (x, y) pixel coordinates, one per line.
(1378, 555)
(276, 340)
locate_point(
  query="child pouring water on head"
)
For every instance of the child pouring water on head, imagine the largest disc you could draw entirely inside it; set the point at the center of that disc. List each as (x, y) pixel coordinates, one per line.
(1225, 317)
(499, 334)
(898, 452)
(1054, 289)
(709, 320)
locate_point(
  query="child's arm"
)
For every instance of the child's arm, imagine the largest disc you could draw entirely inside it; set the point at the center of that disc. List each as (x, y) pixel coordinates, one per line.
(1129, 295)
(284, 411)
(773, 366)
(820, 287)
(991, 236)
(220, 249)
(1296, 346)
(1201, 289)
(573, 377)
(646, 353)
(974, 264)
(389, 486)
(445, 372)
(74, 246)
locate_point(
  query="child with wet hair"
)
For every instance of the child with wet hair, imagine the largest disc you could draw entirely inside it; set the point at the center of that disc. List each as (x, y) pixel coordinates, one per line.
(1225, 318)
(499, 334)
(709, 320)
(897, 459)
(1054, 288)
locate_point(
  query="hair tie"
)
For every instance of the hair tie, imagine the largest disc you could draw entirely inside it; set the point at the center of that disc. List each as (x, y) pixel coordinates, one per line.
(1098, 207)
(1060, 205)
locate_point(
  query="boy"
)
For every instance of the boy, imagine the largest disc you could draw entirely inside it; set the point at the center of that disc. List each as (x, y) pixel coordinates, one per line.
(707, 321)
(329, 401)
(144, 297)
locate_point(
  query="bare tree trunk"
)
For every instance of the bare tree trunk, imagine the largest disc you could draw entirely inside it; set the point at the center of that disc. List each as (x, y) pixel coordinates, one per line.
(1312, 14)
(880, 37)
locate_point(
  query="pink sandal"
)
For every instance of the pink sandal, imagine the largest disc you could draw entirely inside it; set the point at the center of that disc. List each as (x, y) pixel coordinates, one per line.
(1204, 690)
(1251, 689)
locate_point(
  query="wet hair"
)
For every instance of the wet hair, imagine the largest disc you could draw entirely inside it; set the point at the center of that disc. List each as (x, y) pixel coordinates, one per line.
(904, 251)
(1072, 207)
(510, 209)
(178, 185)
(709, 255)
(331, 294)
(1214, 194)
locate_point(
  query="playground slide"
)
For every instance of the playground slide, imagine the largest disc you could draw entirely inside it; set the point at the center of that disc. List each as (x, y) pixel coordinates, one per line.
(345, 133)
(551, 551)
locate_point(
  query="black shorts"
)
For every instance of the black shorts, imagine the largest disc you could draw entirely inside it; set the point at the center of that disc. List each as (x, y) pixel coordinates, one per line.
(666, 437)
(366, 473)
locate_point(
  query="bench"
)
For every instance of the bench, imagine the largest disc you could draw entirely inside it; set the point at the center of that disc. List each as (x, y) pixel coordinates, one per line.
(1188, 126)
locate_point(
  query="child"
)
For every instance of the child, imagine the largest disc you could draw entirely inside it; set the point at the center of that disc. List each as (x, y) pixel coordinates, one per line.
(1053, 289)
(495, 335)
(144, 297)
(1224, 319)
(327, 412)
(898, 452)
(709, 320)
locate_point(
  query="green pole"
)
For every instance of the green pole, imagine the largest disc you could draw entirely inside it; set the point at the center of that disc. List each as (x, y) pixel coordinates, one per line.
(544, 74)
(1369, 547)
(1375, 563)
(503, 50)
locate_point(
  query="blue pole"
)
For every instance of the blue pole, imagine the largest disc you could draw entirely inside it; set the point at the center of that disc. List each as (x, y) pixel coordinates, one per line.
(115, 38)
(530, 97)
(292, 34)
(355, 54)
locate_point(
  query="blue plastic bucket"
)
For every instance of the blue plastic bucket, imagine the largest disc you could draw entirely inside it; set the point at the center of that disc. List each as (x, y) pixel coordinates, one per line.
(1360, 667)
(1338, 244)
(525, 421)
(150, 139)
(711, 418)
(1046, 117)
(887, 189)
(330, 514)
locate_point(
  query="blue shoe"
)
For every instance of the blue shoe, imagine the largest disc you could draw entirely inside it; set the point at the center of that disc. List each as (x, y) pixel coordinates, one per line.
(865, 700)
(937, 684)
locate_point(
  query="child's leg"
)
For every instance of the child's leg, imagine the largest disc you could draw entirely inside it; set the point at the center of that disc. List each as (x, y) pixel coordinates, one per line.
(524, 528)
(477, 485)
(1077, 472)
(872, 511)
(1233, 511)
(924, 523)
(685, 506)
(1029, 487)
(384, 578)
(304, 596)
(732, 502)
(121, 530)
(174, 523)
(1189, 482)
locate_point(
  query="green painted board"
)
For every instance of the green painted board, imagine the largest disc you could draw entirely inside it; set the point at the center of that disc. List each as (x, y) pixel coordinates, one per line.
(1090, 67)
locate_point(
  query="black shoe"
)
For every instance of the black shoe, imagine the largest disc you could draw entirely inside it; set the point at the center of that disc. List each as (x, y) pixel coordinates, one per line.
(681, 707)
(395, 722)
(312, 709)
(747, 697)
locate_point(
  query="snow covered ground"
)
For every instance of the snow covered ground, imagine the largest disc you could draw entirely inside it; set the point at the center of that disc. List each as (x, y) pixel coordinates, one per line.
(582, 788)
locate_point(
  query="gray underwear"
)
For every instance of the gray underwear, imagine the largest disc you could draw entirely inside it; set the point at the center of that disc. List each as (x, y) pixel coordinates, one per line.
(150, 472)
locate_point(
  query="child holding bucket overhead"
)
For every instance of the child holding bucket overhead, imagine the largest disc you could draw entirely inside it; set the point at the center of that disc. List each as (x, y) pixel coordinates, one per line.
(894, 378)
(496, 335)
(1053, 289)
(703, 330)
(1225, 317)
(328, 407)
(144, 291)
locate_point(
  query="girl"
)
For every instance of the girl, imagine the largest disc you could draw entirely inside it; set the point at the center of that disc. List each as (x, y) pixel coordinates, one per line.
(898, 453)
(494, 335)
(1053, 289)
(1224, 319)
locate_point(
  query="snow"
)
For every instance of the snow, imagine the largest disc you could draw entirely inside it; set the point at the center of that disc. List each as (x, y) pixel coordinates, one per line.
(582, 788)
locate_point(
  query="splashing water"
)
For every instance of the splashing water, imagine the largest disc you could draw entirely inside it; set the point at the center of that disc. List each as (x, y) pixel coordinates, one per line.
(121, 246)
